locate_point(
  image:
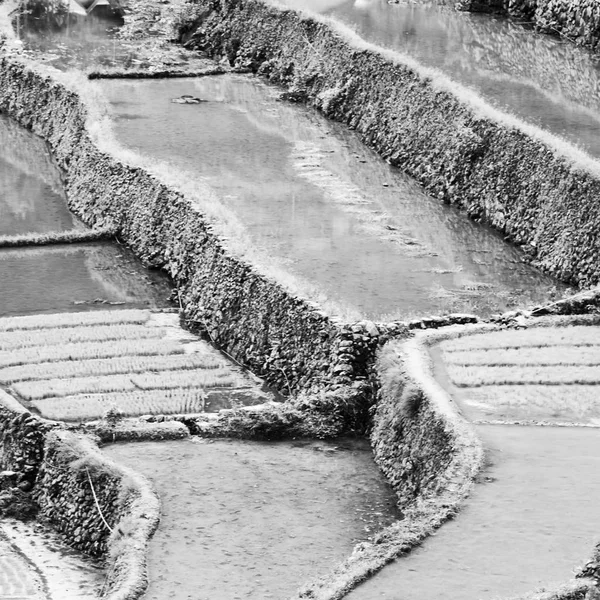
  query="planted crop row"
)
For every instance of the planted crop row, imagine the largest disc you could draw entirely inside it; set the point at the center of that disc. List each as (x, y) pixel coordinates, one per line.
(478, 375)
(541, 401)
(534, 337)
(107, 366)
(85, 350)
(93, 406)
(38, 390)
(26, 338)
(73, 319)
(547, 355)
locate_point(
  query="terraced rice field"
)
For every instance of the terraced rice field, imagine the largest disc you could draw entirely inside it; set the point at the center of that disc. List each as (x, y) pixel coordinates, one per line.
(535, 374)
(76, 366)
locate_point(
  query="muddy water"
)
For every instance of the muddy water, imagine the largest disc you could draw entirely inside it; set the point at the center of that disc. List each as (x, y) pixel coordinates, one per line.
(32, 198)
(235, 524)
(531, 520)
(84, 277)
(544, 80)
(329, 209)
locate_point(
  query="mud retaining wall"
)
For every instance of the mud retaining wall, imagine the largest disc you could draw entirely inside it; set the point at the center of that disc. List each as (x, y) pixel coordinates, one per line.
(462, 151)
(576, 20)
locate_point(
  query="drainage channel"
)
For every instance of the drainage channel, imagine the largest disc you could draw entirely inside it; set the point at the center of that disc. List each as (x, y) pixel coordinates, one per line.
(541, 79)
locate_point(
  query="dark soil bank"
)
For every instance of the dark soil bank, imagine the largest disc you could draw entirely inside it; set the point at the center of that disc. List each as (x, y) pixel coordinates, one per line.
(255, 520)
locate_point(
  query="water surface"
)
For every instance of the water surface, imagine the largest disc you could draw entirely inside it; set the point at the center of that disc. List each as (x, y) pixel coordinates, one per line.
(311, 194)
(32, 198)
(531, 520)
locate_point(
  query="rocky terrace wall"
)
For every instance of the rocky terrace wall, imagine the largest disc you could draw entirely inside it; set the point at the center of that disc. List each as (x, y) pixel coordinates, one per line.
(514, 177)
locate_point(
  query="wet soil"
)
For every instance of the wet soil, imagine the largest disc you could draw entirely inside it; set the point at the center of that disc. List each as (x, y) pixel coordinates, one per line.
(255, 520)
(312, 195)
(529, 522)
(83, 277)
(542, 79)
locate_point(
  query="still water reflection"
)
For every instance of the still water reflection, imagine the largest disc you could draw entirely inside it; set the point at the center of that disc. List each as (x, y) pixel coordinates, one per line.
(311, 194)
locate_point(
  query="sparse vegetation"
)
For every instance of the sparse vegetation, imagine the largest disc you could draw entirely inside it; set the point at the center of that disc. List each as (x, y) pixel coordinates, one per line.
(579, 401)
(476, 375)
(517, 338)
(85, 350)
(545, 355)
(107, 366)
(50, 388)
(22, 339)
(87, 407)
(73, 319)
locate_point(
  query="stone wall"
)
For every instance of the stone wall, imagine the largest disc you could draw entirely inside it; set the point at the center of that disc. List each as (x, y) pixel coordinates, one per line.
(511, 176)
(22, 438)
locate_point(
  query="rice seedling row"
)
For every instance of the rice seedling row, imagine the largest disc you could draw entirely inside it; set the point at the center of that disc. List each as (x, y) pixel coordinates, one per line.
(549, 355)
(93, 406)
(108, 366)
(533, 337)
(74, 319)
(27, 338)
(478, 375)
(567, 402)
(85, 350)
(50, 388)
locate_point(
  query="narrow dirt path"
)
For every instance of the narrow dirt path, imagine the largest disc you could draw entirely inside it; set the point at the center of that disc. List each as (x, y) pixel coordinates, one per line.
(533, 517)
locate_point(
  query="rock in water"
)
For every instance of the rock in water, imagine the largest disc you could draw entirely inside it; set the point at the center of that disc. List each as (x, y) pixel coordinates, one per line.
(187, 99)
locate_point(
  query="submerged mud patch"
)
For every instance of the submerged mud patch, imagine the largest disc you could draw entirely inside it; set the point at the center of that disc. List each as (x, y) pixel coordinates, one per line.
(256, 520)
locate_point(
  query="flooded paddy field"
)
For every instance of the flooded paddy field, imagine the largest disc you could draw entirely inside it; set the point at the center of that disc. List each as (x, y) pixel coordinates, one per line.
(311, 195)
(32, 198)
(529, 522)
(82, 277)
(541, 79)
(255, 520)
